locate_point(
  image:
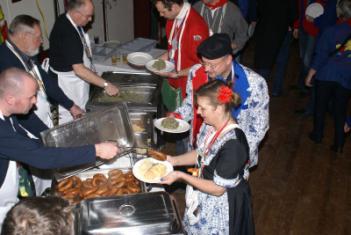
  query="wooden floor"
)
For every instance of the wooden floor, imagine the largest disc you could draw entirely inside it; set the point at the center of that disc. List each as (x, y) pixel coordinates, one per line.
(298, 187)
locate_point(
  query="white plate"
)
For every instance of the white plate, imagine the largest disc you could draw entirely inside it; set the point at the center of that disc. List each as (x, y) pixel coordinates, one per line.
(139, 176)
(183, 126)
(169, 67)
(139, 58)
(314, 10)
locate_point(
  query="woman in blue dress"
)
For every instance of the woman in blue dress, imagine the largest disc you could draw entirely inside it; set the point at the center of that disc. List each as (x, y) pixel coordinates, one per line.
(218, 198)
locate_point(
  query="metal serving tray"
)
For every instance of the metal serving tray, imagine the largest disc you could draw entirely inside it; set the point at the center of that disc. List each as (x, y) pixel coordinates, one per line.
(109, 124)
(142, 125)
(141, 95)
(132, 79)
(141, 119)
(138, 214)
(90, 173)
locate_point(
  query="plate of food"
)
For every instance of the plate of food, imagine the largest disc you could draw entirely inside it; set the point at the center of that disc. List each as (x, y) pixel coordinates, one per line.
(139, 59)
(159, 66)
(172, 125)
(150, 170)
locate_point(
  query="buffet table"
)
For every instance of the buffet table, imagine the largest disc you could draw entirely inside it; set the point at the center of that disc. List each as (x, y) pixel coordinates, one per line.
(105, 64)
(111, 57)
(128, 121)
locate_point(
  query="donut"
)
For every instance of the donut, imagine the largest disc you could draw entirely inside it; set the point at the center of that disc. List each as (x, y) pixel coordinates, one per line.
(93, 195)
(118, 184)
(111, 191)
(118, 192)
(71, 193)
(102, 190)
(124, 191)
(115, 173)
(156, 154)
(99, 179)
(87, 183)
(65, 184)
(77, 182)
(87, 191)
(133, 188)
(117, 179)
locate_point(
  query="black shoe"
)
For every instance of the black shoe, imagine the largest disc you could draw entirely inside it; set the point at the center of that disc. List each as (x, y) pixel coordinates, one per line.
(337, 149)
(314, 138)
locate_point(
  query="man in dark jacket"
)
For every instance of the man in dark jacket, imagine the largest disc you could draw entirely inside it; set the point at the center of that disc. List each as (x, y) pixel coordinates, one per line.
(18, 51)
(18, 94)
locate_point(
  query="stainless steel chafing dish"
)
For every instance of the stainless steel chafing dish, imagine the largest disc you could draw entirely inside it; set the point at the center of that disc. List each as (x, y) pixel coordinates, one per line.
(109, 124)
(146, 213)
(141, 119)
(131, 94)
(132, 79)
(112, 124)
(142, 125)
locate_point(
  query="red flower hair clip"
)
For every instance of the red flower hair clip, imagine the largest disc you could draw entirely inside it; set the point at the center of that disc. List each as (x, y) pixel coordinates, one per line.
(224, 95)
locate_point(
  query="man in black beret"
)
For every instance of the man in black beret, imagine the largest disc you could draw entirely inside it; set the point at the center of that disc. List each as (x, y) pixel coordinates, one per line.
(217, 63)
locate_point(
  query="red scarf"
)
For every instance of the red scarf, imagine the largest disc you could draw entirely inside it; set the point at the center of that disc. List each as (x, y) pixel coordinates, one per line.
(212, 6)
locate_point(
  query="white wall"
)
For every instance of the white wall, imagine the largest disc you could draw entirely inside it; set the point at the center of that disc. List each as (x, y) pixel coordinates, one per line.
(120, 22)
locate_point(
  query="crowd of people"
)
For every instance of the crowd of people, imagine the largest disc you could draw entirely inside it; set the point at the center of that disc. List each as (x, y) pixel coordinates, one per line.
(226, 102)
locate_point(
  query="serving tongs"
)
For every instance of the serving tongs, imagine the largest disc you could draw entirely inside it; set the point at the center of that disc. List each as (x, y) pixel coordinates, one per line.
(98, 163)
(124, 151)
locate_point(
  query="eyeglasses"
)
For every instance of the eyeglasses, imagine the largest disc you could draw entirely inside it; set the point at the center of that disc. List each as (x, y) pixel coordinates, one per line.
(211, 65)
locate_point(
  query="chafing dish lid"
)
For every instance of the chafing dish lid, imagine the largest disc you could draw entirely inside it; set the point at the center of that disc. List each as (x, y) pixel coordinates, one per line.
(146, 213)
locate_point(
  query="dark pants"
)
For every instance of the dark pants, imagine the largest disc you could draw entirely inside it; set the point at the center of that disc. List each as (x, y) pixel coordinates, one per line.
(327, 91)
(281, 64)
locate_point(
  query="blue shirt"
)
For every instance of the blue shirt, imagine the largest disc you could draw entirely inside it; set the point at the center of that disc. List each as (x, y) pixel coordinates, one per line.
(335, 68)
(17, 146)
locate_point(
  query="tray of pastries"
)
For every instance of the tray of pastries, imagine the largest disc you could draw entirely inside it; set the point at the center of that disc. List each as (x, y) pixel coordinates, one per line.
(99, 183)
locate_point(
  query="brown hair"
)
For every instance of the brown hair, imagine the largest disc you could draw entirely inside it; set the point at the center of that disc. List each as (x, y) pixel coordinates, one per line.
(211, 90)
(40, 216)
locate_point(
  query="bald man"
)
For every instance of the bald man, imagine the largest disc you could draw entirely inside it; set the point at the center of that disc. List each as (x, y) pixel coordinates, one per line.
(18, 91)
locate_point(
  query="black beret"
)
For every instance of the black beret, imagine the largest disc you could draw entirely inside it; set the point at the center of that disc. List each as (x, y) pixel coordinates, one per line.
(216, 46)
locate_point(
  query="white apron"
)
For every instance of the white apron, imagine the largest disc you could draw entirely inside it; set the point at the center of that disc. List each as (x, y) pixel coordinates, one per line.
(43, 105)
(74, 87)
(9, 191)
(9, 188)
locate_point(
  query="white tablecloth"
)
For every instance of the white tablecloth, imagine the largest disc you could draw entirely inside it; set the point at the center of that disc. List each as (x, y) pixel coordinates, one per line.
(105, 65)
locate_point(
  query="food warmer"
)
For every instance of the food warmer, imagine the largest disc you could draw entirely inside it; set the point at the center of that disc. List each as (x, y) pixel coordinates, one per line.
(138, 214)
(111, 124)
